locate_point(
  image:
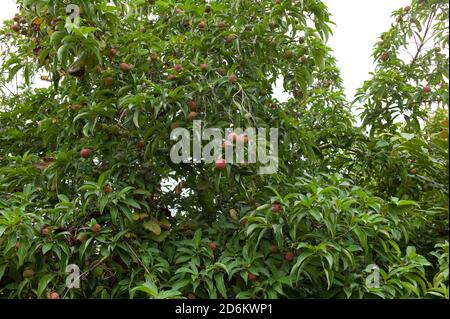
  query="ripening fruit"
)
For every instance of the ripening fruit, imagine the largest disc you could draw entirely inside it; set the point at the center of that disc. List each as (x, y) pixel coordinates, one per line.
(203, 67)
(96, 228)
(82, 237)
(141, 144)
(232, 137)
(192, 106)
(276, 208)
(53, 295)
(274, 106)
(233, 78)
(15, 27)
(192, 116)
(251, 277)
(221, 164)
(427, 89)
(289, 257)
(171, 77)
(107, 189)
(385, 56)
(407, 8)
(112, 53)
(221, 25)
(304, 59)
(227, 144)
(212, 246)
(17, 245)
(108, 81)
(44, 231)
(178, 68)
(242, 139)
(413, 171)
(201, 25)
(86, 153)
(230, 38)
(28, 273)
(124, 67)
(248, 28)
(274, 248)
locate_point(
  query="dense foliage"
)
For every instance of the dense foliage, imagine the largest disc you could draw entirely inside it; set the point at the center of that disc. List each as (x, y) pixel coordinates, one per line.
(86, 177)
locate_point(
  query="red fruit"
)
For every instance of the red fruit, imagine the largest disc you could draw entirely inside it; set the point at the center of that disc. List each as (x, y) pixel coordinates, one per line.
(289, 256)
(96, 228)
(141, 144)
(232, 137)
(201, 25)
(221, 164)
(171, 77)
(193, 106)
(427, 89)
(124, 67)
(276, 208)
(82, 237)
(53, 295)
(233, 78)
(242, 139)
(226, 144)
(192, 116)
(207, 9)
(17, 245)
(44, 231)
(107, 189)
(230, 38)
(212, 246)
(15, 27)
(178, 68)
(86, 153)
(274, 248)
(221, 25)
(112, 53)
(109, 81)
(251, 277)
(203, 67)
(407, 8)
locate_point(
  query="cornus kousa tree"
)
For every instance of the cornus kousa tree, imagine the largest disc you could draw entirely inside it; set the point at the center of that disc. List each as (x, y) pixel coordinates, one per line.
(93, 206)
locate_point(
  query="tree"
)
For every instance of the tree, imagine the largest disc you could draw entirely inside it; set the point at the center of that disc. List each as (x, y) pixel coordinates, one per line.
(86, 177)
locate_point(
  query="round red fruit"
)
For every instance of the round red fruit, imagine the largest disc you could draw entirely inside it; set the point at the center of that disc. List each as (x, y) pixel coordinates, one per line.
(289, 257)
(221, 164)
(233, 78)
(274, 248)
(178, 68)
(86, 153)
(192, 116)
(53, 295)
(192, 106)
(251, 277)
(276, 208)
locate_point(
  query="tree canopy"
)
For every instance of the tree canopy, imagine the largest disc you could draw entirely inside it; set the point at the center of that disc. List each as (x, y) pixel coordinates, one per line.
(86, 178)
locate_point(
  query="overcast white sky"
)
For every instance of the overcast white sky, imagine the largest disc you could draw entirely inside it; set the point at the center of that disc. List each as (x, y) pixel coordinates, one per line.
(359, 23)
